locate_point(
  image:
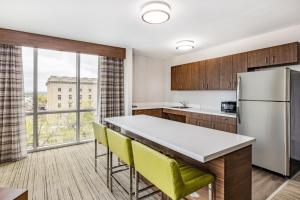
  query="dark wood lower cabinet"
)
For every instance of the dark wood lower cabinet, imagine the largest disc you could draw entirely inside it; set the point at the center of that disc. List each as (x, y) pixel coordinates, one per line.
(157, 112)
(220, 123)
(227, 124)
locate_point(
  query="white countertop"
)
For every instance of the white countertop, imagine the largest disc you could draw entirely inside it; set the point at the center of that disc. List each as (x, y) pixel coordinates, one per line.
(191, 109)
(196, 142)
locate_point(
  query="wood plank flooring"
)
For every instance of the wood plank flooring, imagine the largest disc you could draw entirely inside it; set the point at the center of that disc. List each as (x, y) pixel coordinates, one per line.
(289, 191)
(68, 173)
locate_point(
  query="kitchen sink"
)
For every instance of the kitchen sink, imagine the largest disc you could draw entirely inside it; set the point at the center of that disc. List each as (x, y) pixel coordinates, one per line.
(180, 107)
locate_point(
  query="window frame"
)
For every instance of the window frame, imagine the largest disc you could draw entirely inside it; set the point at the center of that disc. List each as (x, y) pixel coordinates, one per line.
(78, 110)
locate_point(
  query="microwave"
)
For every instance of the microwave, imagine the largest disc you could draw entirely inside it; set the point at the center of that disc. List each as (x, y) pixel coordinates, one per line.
(228, 106)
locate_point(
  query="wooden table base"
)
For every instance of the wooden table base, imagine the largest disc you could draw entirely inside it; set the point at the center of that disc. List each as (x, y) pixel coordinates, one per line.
(233, 172)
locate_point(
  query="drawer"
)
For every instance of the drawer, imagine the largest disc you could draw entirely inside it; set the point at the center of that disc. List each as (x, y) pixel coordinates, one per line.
(226, 120)
(200, 116)
(199, 122)
(152, 112)
(175, 112)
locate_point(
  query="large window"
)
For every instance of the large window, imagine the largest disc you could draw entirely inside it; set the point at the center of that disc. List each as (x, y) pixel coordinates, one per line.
(60, 96)
(88, 94)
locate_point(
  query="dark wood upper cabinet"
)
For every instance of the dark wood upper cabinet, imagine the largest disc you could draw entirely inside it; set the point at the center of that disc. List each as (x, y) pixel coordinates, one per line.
(284, 54)
(175, 76)
(259, 58)
(226, 73)
(181, 77)
(239, 65)
(198, 79)
(220, 73)
(212, 69)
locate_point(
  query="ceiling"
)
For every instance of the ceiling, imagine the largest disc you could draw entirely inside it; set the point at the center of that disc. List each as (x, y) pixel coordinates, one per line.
(118, 22)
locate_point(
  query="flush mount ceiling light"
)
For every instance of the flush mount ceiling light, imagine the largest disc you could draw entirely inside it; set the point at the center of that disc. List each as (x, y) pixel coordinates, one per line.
(156, 12)
(185, 45)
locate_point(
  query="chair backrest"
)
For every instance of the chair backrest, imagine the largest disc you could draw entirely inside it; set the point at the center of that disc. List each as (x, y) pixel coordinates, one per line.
(100, 133)
(160, 170)
(120, 145)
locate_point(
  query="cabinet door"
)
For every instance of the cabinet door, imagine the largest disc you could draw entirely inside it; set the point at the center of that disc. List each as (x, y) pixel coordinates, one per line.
(205, 123)
(181, 77)
(231, 128)
(186, 76)
(259, 58)
(239, 65)
(175, 78)
(226, 73)
(219, 126)
(284, 54)
(212, 69)
(198, 75)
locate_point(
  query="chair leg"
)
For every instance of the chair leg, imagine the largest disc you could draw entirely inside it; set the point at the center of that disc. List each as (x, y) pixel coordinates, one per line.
(211, 191)
(137, 179)
(95, 155)
(110, 173)
(107, 167)
(130, 182)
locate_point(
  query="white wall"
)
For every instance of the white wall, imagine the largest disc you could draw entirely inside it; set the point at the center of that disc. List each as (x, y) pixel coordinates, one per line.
(212, 99)
(148, 79)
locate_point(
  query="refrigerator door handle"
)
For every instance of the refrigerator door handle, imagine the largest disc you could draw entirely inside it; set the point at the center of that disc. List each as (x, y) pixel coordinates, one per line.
(238, 92)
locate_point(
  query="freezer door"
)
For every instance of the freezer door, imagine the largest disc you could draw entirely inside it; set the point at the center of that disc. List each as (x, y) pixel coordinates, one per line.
(268, 123)
(270, 85)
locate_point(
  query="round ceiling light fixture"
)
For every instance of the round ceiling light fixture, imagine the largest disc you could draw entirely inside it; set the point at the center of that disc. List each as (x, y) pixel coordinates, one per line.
(156, 12)
(185, 45)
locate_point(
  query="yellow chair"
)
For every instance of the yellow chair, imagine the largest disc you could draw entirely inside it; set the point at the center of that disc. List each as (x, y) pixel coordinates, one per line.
(101, 138)
(173, 178)
(120, 146)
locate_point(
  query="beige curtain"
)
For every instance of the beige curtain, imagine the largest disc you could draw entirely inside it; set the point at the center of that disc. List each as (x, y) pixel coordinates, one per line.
(111, 88)
(12, 116)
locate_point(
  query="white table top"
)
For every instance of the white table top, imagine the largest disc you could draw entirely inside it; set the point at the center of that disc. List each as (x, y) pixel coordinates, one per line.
(199, 143)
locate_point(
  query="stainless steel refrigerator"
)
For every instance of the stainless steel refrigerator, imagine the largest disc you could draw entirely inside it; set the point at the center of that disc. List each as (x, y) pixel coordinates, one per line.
(268, 108)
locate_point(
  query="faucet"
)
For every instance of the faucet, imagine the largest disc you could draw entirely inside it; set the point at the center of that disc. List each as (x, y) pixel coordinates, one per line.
(183, 103)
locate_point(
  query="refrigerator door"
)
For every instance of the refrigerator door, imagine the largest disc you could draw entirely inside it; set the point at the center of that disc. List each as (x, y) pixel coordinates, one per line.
(270, 85)
(268, 123)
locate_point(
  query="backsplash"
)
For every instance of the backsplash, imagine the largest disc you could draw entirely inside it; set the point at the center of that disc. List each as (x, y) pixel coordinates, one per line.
(204, 99)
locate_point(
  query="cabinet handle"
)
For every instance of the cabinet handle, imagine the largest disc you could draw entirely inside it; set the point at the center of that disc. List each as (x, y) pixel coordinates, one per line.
(207, 86)
(266, 60)
(273, 59)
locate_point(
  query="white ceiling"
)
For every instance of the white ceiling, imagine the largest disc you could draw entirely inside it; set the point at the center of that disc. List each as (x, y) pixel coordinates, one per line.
(118, 22)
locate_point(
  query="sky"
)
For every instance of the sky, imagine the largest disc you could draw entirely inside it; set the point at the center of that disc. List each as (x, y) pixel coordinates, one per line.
(56, 63)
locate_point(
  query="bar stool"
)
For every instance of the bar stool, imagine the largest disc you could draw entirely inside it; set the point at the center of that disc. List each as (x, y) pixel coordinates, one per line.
(176, 180)
(101, 138)
(120, 146)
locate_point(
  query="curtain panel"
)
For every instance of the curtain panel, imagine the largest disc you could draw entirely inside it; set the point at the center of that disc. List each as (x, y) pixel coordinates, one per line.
(111, 88)
(12, 115)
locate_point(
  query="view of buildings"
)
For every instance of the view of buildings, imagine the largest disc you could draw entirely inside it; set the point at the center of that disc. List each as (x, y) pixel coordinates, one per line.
(61, 94)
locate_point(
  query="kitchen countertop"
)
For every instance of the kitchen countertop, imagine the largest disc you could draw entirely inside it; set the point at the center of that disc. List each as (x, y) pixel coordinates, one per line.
(199, 143)
(191, 109)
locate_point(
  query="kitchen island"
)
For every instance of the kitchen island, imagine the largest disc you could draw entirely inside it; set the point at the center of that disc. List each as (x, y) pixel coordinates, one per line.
(226, 155)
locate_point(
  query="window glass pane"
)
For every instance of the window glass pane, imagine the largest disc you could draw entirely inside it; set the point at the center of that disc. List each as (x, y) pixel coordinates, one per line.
(86, 128)
(27, 59)
(56, 75)
(88, 81)
(56, 128)
(29, 130)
